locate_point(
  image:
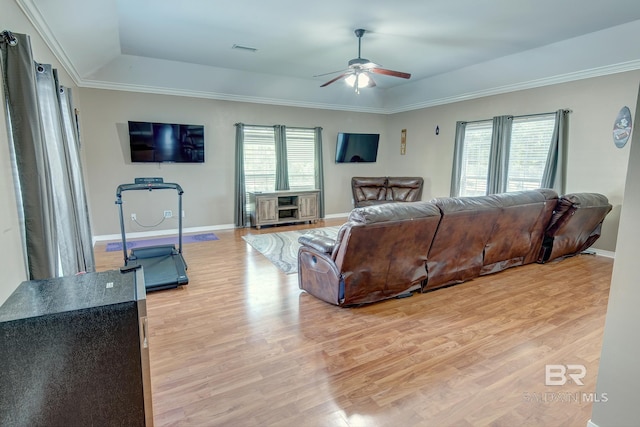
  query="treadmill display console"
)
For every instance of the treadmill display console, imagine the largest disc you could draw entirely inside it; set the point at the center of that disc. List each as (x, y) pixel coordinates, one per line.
(149, 181)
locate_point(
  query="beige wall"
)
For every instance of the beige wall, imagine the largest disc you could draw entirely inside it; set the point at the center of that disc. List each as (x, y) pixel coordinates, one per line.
(12, 262)
(594, 163)
(209, 187)
(619, 370)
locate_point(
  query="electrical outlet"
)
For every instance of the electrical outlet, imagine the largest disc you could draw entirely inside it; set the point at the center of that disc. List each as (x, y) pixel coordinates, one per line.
(133, 217)
(182, 214)
(168, 214)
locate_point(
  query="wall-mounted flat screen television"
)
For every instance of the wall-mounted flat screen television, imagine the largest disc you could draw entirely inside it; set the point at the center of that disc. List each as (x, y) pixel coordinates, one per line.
(166, 142)
(357, 147)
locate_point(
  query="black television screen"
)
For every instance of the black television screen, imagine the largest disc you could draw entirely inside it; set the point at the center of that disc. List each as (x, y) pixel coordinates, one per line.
(165, 142)
(357, 147)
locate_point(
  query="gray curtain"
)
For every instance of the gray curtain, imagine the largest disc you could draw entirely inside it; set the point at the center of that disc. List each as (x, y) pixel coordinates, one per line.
(319, 169)
(555, 168)
(282, 165)
(56, 232)
(80, 206)
(458, 149)
(240, 214)
(499, 155)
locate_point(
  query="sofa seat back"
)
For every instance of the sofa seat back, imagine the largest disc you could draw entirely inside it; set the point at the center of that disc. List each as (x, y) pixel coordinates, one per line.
(404, 189)
(369, 191)
(382, 250)
(456, 254)
(575, 225)
(517, 234)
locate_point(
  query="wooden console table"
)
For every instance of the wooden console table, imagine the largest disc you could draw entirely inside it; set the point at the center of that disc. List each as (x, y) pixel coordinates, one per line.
(283, 207)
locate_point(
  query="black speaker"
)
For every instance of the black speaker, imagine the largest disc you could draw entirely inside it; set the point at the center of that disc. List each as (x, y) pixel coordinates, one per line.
(73, 352)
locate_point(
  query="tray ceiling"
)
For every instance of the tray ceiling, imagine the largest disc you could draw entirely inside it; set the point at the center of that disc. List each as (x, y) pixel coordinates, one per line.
(454, 50)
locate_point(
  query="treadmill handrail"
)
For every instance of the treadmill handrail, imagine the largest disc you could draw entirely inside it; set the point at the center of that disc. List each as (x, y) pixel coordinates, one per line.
(149, 186)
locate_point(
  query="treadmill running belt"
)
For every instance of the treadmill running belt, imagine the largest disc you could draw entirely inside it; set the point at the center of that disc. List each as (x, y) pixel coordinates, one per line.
(162, 272)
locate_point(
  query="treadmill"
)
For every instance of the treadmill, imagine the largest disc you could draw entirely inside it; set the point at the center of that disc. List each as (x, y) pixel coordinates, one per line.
(163, 265)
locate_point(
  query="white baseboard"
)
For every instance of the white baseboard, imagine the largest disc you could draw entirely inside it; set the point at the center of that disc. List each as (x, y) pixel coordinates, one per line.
(157, 233)
(338, 215)
(603, 253)
(591, 424)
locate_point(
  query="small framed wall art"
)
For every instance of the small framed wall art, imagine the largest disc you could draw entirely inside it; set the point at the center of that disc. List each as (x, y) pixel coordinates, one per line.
(622, 127)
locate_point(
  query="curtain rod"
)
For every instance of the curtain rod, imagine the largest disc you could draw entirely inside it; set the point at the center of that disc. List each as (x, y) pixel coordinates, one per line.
(565, 110)
(270, 126)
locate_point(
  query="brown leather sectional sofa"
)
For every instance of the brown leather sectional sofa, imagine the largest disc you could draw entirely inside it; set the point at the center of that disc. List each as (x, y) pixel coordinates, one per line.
(388, 250)
(369, 191)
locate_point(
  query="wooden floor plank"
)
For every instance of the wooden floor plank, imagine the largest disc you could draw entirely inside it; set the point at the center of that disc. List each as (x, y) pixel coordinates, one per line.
(241, 345)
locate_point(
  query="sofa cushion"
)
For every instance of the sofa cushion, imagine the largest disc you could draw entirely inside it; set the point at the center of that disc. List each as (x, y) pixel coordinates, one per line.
(368, 188)
(392, 212)
(373, 193)
(404, 189)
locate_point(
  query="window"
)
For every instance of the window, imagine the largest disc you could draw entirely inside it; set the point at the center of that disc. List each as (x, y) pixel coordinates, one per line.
(260, 159)
(525, 153)
(301, 158)
(475, 159)
(528, 151)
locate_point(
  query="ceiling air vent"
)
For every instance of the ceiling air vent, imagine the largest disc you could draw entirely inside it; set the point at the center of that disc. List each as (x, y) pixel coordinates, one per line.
(243, 48)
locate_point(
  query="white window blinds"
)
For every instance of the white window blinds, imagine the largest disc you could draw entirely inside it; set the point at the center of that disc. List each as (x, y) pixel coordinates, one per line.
(259, 159)
(301, 158)
(529, 148)
(475, 159)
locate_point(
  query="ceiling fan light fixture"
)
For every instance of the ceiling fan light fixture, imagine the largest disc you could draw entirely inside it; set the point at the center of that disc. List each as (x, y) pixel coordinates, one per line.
(357, 74)
(361, 79)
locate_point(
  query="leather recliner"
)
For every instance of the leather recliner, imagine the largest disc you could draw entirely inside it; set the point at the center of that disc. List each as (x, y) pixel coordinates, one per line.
(380, 253)
(369, 191)
(391, 249)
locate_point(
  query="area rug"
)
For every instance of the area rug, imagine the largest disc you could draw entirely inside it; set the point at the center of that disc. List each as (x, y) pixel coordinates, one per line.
(282, 248)
(191, 238)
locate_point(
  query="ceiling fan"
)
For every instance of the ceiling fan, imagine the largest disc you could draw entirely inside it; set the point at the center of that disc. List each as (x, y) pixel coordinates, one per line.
(358, 72)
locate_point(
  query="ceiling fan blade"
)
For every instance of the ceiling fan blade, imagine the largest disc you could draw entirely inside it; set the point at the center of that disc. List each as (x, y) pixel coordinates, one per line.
(335, 79)
(331, 72)
(390, 73)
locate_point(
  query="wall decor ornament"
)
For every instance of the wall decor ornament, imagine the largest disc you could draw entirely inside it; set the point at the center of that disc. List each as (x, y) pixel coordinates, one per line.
(622, 127)
(403, 142)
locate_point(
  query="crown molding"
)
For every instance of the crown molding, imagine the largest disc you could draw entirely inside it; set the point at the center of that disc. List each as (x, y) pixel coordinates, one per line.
(532, 84)
(95, 84)
(34, 16)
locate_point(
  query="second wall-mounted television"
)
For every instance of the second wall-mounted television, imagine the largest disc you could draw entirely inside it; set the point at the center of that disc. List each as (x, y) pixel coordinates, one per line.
(357, 147)
(166, 142)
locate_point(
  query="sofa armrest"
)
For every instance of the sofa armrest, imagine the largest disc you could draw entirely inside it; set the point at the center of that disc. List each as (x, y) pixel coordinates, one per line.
(319, 276)
(322, 244)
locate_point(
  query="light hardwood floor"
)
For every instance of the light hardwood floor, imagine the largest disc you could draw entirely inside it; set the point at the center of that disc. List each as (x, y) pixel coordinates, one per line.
(241, 345)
